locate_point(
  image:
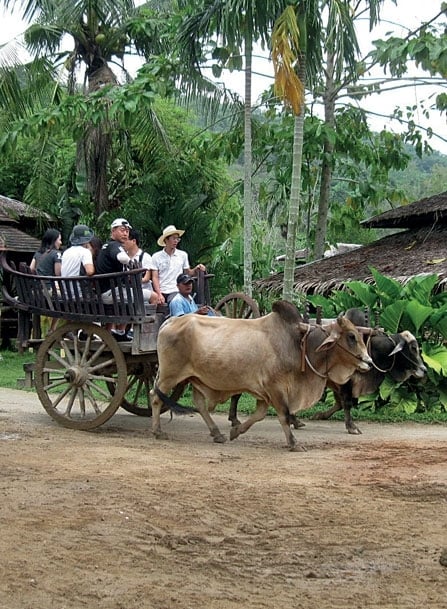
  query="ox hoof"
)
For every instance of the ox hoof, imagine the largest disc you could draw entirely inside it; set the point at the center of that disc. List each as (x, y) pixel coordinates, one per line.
(297, 449)
(355, 431)
(297, 424)
(234, 433)
(161, 435)
(219, 439)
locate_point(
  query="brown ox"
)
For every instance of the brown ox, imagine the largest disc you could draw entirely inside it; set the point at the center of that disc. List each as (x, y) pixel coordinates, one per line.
(277, 358)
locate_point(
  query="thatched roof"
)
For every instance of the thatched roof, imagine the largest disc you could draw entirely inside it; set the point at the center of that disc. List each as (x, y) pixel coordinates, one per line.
(12, 210)
(14, 240)
(400, 256)
(426, 212)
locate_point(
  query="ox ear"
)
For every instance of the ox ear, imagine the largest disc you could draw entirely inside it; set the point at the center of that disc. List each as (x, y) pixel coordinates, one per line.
(398, 347)
(331, 339)
(327, 343)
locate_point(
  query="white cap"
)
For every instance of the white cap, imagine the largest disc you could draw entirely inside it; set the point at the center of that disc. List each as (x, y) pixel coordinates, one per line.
(120, 222)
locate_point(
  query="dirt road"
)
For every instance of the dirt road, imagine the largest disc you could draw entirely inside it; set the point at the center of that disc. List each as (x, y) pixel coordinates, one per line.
(114, 519)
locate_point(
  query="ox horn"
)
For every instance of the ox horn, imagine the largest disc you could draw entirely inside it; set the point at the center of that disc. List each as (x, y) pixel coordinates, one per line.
(398, 347)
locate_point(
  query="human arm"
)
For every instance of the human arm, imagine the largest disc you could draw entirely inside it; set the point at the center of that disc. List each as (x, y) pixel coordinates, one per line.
(193, 272)
(147, 276)
(156, 286)
(57, 262)
(146, 263)
(87, 262)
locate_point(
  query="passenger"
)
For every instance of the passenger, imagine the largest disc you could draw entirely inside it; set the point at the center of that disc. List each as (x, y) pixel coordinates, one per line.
(95, 245)
(47, 261)
(141, 259)
(168, 263)
(183, 303)
(113, 258)
(78, 259)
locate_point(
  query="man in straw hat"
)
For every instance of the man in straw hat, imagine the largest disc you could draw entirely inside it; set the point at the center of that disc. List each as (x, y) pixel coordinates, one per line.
(169, 263)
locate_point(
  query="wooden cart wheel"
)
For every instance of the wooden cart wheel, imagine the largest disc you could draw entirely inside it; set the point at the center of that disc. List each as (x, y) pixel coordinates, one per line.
(72, 375)
(238, 305)
(140, 380)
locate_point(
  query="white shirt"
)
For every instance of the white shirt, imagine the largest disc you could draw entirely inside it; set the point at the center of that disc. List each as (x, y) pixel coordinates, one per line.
(169, 268)
(72, 259)
(145, 262)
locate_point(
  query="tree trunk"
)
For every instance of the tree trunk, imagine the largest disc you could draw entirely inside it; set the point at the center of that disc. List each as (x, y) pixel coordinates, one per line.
(326, 166)
(248, 195)
(295, 195)
(97, 146)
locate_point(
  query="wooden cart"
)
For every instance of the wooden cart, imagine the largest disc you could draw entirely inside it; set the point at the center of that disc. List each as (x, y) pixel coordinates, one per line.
(82, 374)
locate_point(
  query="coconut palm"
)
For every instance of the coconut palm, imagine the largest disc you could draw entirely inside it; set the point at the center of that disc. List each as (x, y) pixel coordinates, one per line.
(236, 24)
(95, 29)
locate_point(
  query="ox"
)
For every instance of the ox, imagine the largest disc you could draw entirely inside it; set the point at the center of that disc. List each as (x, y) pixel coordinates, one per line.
(394, 354)
(277, 358)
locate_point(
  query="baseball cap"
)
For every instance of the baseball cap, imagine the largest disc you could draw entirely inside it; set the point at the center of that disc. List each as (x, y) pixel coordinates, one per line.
(183, 278)
(120, 222)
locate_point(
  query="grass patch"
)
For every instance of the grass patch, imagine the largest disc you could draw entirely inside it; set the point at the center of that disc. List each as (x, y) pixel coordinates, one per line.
(11, 364)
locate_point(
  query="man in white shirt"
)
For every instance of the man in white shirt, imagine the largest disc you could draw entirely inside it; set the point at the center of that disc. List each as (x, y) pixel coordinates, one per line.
(169, 263)
(77, 259)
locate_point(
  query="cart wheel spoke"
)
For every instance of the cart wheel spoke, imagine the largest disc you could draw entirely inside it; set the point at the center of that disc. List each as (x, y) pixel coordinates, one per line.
(238, 306)
(139, 384)
(72, 376)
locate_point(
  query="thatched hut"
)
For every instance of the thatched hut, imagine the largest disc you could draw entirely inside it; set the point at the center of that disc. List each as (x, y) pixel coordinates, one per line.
(16, 218)
(420, 249)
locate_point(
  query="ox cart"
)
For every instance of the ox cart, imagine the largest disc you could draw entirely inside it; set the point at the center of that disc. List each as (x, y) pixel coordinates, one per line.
(82, 375)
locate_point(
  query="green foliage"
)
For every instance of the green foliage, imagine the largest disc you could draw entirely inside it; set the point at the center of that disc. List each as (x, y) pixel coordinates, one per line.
(417, 307)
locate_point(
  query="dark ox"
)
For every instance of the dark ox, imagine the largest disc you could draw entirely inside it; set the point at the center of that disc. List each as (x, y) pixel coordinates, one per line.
(277, 358)
(394, 354)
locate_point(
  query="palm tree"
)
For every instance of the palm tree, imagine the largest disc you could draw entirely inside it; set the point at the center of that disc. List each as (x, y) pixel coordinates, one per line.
(297, 42)
(235, 24)
(95, 28)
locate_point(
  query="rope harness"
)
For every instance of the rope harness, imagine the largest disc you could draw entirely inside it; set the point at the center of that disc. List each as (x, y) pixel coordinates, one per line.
(305, 357)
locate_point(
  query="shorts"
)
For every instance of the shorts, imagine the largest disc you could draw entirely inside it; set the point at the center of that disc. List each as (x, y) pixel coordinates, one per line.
(108, 299)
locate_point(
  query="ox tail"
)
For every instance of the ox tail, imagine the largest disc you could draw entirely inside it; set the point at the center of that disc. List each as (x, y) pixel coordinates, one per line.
(174, 406)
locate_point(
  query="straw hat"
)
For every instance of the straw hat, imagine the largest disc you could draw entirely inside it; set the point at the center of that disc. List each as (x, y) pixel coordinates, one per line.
(167, 232)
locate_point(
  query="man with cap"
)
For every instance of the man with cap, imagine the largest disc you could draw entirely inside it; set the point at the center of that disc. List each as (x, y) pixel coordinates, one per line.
(113, 256)
(183, 302)
(111, 259)
(168, 263)
(78, 259)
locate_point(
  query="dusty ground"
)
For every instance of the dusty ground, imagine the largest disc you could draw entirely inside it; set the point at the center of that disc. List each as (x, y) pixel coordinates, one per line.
(115, 519)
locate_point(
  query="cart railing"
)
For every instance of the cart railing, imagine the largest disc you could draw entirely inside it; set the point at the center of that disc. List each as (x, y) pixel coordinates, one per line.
(78, 298)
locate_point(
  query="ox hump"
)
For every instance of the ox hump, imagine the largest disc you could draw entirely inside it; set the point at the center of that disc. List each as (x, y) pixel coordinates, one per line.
(287, 311)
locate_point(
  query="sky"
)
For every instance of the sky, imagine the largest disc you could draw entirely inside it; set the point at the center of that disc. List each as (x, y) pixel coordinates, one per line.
(407, 15)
